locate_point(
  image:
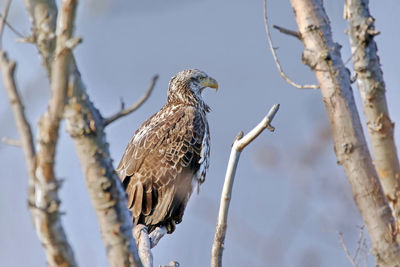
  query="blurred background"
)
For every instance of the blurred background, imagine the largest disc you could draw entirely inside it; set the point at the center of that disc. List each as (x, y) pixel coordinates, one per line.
(290, 198)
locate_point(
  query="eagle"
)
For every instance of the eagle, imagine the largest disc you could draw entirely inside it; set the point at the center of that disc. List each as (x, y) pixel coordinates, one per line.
(169, 154)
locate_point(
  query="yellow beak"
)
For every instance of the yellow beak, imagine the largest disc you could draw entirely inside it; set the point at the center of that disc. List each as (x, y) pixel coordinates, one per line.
(210, 82)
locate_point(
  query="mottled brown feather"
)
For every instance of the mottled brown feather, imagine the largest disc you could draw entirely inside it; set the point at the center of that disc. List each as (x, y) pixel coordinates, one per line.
(160, 163)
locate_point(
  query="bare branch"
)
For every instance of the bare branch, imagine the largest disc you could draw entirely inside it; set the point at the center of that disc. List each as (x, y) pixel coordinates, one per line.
(359, 242)
(278, 65)
(45, 208)
(156, 235)
(15, 31)
(3, 20)
(42, 195)
(43, 17)
(42, 190)
(143, 243)
(86, 126)
(24, 130)
(239, 144)
(10, 141)
(172, 264)
(283, 30)
(372, 87)
(322, 53)
(349, 257)
(123, 112)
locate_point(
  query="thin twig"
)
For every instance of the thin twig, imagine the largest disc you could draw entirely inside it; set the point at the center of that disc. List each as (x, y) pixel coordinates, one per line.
(24, 129)
(3, 20)
(264, 124)
(123, 112)
(359, 243)
(238, 145)
(15, 31)
(349, 257)
(295, 34)
(278, 65)
(10, 141)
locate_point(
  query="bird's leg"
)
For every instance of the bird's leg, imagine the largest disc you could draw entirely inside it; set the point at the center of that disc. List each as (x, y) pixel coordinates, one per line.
(156, 235)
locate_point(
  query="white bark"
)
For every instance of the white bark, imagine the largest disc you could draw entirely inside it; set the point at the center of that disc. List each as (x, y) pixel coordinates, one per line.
(372, 88)
(86, 126)
(238, 145)
(323, 57)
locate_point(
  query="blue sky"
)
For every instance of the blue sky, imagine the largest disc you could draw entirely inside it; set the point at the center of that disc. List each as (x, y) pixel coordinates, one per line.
(290, 198)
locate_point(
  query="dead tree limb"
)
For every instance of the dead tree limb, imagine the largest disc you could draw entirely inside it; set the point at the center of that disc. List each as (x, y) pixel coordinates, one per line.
(277, 63)
(24, 129)
(43, 17)
(3, 21)
(322, 55)
(46, 205)
(11, 27)
(123, 112)
(287, 31)
(43, 185)
(370, 82)
(86, 126)
(238, 145)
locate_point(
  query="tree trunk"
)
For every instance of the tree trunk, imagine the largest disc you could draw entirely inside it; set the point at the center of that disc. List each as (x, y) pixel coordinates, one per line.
(372, 88)
(322, 55)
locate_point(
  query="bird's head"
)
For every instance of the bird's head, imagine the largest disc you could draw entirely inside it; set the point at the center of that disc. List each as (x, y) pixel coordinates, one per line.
(187, 86)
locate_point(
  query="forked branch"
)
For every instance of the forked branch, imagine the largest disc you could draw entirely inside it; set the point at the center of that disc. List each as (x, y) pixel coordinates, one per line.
(86, 126)
(126, 111)
(43, 186)
(238, 145)
(278, 64)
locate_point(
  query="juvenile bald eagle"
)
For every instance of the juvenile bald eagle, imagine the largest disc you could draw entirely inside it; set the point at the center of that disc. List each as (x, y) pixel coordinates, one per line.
(169, 154)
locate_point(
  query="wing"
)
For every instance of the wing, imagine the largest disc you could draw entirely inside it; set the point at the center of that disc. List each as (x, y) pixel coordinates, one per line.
(165, 150)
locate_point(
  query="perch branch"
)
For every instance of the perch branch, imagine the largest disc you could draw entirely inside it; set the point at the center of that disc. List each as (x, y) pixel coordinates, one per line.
(238, 145)
(287, 31)
(278, 64)
(123, 112)
(143, 243)
(156, 235)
